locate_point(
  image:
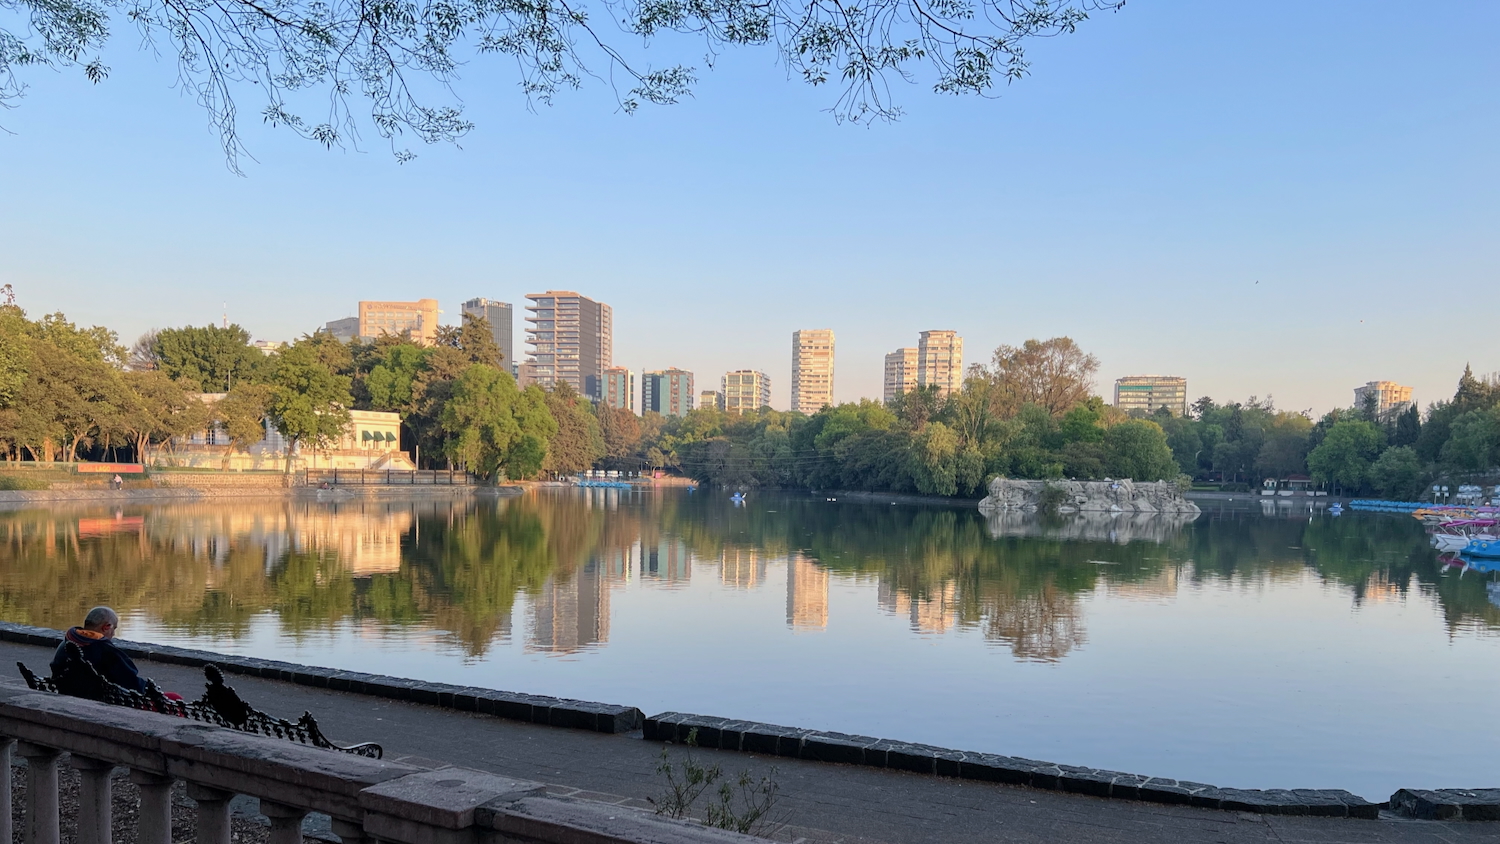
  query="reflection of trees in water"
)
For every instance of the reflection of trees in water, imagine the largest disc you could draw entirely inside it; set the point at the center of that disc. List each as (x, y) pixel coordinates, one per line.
(210, 569)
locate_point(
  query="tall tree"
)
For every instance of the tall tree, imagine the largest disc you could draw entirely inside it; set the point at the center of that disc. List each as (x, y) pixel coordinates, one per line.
(578, 444)
(210, 358)
(243, 414)
(1137, 449)
(309, 403)
(1052, 374)
(1345, 454)
(157, 410)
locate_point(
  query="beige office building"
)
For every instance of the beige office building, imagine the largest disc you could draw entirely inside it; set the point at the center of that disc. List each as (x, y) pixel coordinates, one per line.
(900, 373)
(711, 400)
(940, 361)
(812, 369)
(1149, 392)
(416, 321)
(1390, 398)
(806, 594)
(746, 391)
(572, 339)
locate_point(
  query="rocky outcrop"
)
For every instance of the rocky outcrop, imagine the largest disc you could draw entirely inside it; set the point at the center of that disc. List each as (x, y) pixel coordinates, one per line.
(1123, 496)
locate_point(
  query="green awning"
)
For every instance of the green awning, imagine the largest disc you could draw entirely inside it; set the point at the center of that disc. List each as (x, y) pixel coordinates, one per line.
(390, 436)
(365, 436)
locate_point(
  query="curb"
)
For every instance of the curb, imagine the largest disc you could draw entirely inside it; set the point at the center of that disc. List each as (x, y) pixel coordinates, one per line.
(813, 745)
(535, 709)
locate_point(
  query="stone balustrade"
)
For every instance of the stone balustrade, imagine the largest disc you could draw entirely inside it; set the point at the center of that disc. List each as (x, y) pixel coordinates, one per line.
(368, 800)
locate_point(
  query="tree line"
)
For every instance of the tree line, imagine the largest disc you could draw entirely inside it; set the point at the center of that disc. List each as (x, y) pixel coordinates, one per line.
(69, 393)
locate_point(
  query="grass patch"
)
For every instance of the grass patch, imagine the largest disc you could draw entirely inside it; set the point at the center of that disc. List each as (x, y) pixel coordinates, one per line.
(9, 483)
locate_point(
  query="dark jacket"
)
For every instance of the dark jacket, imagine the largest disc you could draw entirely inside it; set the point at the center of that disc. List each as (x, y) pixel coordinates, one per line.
(105, 656)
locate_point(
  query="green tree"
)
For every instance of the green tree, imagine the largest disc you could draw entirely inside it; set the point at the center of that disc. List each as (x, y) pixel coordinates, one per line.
(1397, 473)
(1474, 442)
(1408, 427)
(210, 358)
(309, 403)
(1053, 374)
(1345, 454)
(487, 419)
(578, 444)
(621, 431)
(158, 409)
(243, 414)
(1137, 449)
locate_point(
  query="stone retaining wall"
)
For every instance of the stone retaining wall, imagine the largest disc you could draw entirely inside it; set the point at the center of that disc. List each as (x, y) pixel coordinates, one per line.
(536, 709)
(821, 746)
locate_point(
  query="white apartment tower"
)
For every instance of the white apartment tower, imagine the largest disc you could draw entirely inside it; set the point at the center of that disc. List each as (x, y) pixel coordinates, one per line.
(900, 373)
(812, 369)
(940, 361)
(746, 391)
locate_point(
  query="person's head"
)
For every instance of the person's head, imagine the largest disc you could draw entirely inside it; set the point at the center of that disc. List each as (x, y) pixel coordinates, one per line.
(102, 620)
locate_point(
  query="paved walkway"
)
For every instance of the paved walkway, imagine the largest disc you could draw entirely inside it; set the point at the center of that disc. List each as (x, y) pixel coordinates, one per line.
(822, 802)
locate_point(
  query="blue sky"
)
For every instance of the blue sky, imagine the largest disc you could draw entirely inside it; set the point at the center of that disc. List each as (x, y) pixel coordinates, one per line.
(1277, 197)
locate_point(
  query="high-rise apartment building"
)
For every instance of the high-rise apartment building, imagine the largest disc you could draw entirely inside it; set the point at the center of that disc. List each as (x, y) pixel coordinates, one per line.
(746, 391)
(571, 339)
(900, 373)
(619, 388)
(667, 391)
(1390, 398)
(711, 400)
(812, 369)
(501, 317)
(1149, 392)
(940, 361)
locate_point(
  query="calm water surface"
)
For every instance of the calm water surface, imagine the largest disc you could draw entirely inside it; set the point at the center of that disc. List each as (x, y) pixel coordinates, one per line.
(1246, 648)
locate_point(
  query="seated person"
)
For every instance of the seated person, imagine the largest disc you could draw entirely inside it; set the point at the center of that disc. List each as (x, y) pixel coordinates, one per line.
(94, 639)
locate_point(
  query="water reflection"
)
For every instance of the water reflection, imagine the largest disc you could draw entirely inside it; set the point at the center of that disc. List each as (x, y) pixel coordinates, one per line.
(460, 568)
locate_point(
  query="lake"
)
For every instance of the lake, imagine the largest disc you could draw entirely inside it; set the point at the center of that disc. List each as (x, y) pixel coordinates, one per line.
(1248, 648)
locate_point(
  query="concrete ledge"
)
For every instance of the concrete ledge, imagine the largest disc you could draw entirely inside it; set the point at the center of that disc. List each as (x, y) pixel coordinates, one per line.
(1448, 804)
(562, 821)
(774, 740)
(536, 709)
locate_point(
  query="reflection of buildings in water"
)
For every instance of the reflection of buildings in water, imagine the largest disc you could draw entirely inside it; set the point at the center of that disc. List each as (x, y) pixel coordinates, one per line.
(806, 594)
(666, 562)
(365, 539)
(742, 568)
(1042, 626)
(366, 543)
(1378, 589)
(1095, 527)
(1161, 585)
(934, 612)
(573, 615)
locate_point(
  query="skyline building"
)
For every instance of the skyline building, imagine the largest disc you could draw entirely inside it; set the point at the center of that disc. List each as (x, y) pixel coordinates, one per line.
(812, 369)
(746, 391)
(1390, 398)
(1149, 392)
(571, 338)
(900, 373)
(940, 361)
(571, 614)
(416, 321)
(667, 391)
(619, 388)
(711, 400)
(501, 317)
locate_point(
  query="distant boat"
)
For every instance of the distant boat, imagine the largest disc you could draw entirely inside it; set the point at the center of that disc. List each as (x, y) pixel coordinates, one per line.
(738, 497)
(1335, 509)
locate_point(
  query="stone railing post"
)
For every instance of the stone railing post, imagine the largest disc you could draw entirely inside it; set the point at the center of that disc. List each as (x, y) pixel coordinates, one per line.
(350, 832)
(286, 822)
(7, 832)
(155, 823)
(95, 813)
(41, 794)
(213, 813)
